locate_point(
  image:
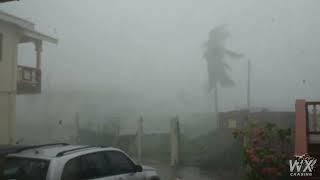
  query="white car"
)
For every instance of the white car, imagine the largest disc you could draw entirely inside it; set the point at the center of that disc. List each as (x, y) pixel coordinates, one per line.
(73, 162)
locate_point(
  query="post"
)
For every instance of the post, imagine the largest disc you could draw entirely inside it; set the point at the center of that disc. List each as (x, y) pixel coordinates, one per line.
(116, 125)
(38, 45)
(139, 139)
(77, 123)
(174, 141)
(301, 128)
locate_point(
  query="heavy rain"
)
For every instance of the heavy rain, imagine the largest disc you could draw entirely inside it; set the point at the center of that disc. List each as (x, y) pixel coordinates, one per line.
(211, 89)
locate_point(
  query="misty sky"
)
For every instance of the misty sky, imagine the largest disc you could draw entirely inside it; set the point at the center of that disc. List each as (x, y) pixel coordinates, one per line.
(154, 48)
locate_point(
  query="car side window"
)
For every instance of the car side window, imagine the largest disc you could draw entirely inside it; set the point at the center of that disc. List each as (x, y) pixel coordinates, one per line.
(24, 168)
(96, 166)
(89, 166)
(72, 170)
(120, 163)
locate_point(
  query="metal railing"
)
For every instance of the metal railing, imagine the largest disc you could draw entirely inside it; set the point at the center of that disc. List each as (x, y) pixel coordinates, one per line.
(313, 117)
(28, 80)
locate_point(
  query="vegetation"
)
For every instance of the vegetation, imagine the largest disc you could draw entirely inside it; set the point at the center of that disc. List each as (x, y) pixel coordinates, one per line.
(215, 151)
(267, 150)
(215, 54)
(228, 159)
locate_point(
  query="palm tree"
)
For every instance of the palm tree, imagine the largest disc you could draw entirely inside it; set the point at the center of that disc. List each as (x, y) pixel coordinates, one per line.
(215, 54)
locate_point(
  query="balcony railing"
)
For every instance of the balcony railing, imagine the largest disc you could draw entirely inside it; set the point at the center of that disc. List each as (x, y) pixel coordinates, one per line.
(313, 122)
(28, 80)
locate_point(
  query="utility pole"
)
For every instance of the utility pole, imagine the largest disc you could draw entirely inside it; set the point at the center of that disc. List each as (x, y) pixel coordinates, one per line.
(249, 86)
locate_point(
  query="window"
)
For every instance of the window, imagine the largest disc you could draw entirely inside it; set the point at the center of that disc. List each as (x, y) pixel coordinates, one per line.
(1, 39)
(120, 163)
(72, 170)
(24, 168)
(89, 166)
(96, 166)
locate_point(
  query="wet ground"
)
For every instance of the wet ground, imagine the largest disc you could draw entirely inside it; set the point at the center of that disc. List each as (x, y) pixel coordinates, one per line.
(166, 172)
(183, 173)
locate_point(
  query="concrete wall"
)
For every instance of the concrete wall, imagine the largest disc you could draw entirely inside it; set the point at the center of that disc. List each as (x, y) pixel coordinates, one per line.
(8, 66)
(241, 119)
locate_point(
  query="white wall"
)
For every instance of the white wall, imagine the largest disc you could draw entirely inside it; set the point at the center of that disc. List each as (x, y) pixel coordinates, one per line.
(38, 116)
(8, 66)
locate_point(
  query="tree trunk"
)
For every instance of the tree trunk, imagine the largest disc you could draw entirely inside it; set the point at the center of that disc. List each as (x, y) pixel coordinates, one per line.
(216, 105)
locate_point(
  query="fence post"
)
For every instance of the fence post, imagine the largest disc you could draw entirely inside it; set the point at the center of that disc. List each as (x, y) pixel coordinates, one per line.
(77, 123)
(174, 141)
(139, 138)
(116, 125)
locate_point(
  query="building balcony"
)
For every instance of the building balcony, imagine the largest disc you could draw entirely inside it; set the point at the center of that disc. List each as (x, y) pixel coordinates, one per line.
(28, 80)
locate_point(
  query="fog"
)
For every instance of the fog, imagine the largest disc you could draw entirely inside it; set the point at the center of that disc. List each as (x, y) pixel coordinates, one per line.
(152, 51)
(142, 76)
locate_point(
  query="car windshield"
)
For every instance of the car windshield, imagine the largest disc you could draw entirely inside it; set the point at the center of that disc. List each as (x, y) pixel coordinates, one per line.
(24, 169)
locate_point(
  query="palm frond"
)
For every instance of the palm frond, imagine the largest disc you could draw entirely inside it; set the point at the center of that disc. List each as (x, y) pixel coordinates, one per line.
(215, 53)
(233, 54)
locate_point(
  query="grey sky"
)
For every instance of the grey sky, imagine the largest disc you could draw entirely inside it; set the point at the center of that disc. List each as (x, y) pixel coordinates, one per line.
(154, 47)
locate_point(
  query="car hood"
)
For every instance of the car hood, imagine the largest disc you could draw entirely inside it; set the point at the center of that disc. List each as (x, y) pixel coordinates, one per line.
(149, 172)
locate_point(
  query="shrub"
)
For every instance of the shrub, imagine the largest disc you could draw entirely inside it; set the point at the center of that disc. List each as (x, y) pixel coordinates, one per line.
(266, 151)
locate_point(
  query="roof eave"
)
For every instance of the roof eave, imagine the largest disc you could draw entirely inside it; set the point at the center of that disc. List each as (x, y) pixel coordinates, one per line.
(9, 18)
(39, 36)
(2, 1)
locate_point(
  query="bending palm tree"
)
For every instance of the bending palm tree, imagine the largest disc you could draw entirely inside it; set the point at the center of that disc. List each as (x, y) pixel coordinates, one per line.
(215, 54)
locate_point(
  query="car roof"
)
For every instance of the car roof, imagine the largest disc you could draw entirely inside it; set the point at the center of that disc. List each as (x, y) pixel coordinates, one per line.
(51, 152)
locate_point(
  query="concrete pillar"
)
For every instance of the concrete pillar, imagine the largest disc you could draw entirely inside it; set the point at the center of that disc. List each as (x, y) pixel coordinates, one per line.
(77, 123)
(116, 125)
(38, 47)
(139, 139)
(174, 141)
(301, 144)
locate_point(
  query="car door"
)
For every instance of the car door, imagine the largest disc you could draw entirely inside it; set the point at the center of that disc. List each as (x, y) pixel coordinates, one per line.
(122, 167)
